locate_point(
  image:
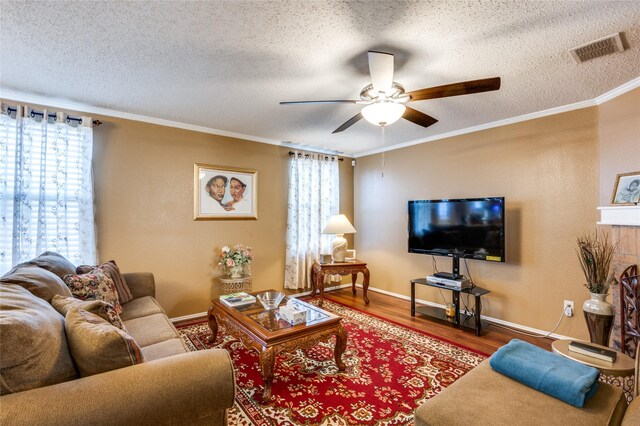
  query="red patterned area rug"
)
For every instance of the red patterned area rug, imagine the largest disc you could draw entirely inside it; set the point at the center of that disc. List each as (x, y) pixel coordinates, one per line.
(391, 370)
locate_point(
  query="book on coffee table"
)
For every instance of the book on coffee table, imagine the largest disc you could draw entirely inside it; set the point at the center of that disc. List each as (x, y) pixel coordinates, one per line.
(592, 351)
(238, 300)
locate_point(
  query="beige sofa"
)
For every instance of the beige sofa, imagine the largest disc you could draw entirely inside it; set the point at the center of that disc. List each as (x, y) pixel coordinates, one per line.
(171, 386)
(485, 397)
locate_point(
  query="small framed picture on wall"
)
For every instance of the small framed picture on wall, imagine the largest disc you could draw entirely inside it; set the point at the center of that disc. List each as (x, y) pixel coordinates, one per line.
(626, 190)
(221, 192)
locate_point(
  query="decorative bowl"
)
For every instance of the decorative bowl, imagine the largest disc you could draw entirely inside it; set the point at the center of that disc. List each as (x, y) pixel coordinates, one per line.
(270, 299)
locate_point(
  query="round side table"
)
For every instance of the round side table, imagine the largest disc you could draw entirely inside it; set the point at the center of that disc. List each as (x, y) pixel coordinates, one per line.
(618, 373)
(230, 285)
(624, 365)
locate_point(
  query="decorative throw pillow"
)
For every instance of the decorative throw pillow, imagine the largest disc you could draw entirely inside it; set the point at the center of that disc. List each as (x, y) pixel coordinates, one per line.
(38, 281)
(96, 285)
(110, 267)
(99, 307)
(97, 346)
(51, 261)
(33, 345)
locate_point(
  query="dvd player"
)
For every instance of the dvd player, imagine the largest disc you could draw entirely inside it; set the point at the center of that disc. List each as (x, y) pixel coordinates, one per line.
(456, 284)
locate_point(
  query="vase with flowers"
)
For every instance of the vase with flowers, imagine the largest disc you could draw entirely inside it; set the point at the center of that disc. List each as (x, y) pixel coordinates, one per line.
(595, 252)
(235, 260)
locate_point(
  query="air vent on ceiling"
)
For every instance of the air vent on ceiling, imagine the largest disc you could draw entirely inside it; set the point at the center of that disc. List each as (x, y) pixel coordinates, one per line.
(594, 49)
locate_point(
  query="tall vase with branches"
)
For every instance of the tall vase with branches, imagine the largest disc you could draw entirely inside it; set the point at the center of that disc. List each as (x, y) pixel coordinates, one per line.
(595, 252)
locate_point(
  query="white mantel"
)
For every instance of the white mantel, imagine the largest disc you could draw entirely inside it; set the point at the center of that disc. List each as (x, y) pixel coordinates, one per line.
(620, 215)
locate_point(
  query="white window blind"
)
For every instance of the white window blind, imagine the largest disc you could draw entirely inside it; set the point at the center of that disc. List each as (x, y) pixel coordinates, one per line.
(46, 188)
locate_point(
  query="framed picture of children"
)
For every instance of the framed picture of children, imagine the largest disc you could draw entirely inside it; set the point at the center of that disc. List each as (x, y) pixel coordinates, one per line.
(627, 189)
(222, 192)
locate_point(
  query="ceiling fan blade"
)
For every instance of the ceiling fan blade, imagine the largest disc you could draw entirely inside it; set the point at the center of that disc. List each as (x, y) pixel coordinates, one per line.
(381, 70)
(456, 89)
(333, 101)
(353, 120)
(419, 118)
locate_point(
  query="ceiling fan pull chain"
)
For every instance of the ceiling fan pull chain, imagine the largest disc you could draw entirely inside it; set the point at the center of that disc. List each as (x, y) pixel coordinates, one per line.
(383, 151)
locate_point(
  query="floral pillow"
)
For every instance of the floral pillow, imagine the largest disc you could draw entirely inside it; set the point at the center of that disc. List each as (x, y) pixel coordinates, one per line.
(96, 285)
(111, 269)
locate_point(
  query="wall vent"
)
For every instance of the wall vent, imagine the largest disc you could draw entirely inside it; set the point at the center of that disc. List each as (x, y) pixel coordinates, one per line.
(597, 48)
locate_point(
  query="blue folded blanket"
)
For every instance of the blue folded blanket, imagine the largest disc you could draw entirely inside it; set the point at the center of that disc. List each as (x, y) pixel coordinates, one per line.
(553, 374)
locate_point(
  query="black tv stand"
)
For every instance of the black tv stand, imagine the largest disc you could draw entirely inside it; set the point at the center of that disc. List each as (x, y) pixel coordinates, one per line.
(460, 319)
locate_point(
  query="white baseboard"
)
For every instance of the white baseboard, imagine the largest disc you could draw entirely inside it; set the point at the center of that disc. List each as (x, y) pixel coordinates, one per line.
(515, 326)
(420, 301)
(188, 317)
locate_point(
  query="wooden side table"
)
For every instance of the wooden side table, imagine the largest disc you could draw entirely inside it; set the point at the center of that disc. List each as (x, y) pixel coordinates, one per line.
(319, 270)
(619, 373)
(624, 365)
(230, 285)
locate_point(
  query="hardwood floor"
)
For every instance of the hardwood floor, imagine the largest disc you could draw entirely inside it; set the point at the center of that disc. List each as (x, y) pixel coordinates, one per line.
(399, 310)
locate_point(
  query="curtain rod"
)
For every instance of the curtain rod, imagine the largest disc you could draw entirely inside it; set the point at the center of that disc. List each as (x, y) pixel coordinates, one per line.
(52, 115)
(326, 156)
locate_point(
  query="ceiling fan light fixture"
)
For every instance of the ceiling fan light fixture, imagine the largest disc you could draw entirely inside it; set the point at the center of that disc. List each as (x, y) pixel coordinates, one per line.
(383, 113)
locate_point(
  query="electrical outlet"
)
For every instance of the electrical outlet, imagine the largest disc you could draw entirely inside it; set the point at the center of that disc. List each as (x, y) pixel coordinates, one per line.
(568, 308)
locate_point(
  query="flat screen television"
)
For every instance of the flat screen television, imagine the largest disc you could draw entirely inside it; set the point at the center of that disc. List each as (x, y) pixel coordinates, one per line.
(471, 228)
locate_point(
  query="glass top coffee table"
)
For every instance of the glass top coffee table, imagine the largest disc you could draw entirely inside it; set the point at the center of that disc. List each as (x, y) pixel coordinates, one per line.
(264, 331)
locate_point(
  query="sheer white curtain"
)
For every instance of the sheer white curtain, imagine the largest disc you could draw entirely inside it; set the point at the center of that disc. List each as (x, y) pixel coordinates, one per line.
(46, 187)
(314, 196)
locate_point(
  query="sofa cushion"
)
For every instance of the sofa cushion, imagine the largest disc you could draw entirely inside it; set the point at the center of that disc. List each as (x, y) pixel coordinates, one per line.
(34, 345)
(485, 397)
(53, 262)
(99, 307)
(50, 261)
(97, 346)
(632, 415)
(38, 281)
(96, 285)
(164, 349)
(110, 267)
(140, 307)
(151, 329)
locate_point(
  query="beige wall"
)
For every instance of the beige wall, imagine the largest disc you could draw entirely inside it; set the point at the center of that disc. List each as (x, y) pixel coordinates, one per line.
(619, 133)
(144, 208)
(619, 140)
(547, 169)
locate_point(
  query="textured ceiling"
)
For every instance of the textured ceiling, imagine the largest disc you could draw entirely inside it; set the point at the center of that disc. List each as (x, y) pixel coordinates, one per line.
(226, 65)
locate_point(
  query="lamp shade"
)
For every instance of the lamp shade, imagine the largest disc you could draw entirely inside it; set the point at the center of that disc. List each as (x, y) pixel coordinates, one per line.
(383, 113)
(339, 224)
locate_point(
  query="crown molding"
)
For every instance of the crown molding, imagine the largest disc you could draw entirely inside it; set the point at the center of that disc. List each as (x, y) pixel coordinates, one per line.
(618, 91)
(473, 129)
(90, 109)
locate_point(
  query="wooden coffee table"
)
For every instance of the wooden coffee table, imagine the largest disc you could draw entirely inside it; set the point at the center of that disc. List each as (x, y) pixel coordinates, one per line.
(263, 331)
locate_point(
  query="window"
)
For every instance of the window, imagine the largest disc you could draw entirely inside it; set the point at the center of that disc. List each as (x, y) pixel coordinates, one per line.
(46, 186)
(314, 196)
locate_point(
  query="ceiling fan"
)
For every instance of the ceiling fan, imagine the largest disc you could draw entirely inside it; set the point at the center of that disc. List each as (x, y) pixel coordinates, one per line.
(384, 99)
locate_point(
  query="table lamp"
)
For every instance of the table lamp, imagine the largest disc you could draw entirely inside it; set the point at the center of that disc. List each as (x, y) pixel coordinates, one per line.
(339, 225)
